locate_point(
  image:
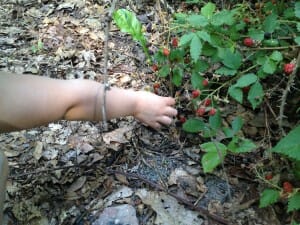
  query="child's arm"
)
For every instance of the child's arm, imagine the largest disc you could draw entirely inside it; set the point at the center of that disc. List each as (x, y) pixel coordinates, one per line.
(28, 101)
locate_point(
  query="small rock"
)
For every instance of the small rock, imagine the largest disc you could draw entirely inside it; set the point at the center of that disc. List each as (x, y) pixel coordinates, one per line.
(122, 214)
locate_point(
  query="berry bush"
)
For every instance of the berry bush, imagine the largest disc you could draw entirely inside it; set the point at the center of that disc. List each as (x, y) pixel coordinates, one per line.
(218, 56)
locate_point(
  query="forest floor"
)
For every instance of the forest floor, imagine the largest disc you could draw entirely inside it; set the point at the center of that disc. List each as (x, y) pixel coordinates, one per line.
(69, 172)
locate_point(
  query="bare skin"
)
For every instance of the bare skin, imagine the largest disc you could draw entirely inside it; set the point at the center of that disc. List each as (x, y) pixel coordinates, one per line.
(28, 101)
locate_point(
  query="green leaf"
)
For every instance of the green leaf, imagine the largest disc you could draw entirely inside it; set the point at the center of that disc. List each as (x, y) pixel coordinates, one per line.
(270, 23)
(256, 34)
(195, 48)
(215, 121)
(268, 197)
(297, 9)
(256, 94)
(208, 10)
(246, 80)
(269, 66)
(193, 125)
(241, 145)
(196, 80)
(297, 40)
(204, 35)
(298, 26)
(228, 132)
(225, 71)
(294, 202)
(216, 153)
(186, 38)
(233, 60)
(164, 71)
(197, 20)
(223, 17)
(237, 124)
(236, 93)
(290, 144)
(177, 76)
(127, 22)
(276, 56)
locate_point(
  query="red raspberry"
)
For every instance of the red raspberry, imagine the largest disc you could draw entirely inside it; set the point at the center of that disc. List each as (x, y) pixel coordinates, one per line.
(182, 119)
(207, 102)
(156, 85)
(166, 52)
(154, 67)
(246, 89)
(246, 20)
(195, 93)
(269, 176)
(205, 82)
(200, 112)
(212, 111)
(288, 68)
(287, 187)
(175, 42)
(248, 42)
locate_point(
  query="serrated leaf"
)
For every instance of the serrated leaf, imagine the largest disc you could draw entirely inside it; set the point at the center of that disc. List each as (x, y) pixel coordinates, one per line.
(294, 202)
(233, 60)
(297, 40)
(208, 10)
(241, 145)
(223, 17)
(197, 20)
(270, 23)
(269, 66)
(193, 125)
(276, 56)
(290, 144)
(164, 71)
(237, 124)
(186, 38)
(236, 93)
(256, 34)
(204, 36)
(195, 48)
(256, 95)
(297, 9)
(246, 80)
(215, 154)
(215, 121)
(177, 76)
(268, 197)
(225, 71)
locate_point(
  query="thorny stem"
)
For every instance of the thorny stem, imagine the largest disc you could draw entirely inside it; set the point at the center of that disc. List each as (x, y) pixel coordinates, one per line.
(285, 93)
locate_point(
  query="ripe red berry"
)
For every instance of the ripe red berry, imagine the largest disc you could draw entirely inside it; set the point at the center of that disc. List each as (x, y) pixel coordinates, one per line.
(269, 176)
(154, 67)
(195, 93)
(207, 102)
(156, 85)
(175, 42)
(246, 20)
(205, 82)
(287, 187)
(248, 42)
(182, 119)
(288, 68)
(212, 111)
(166, 52)
(201, 111)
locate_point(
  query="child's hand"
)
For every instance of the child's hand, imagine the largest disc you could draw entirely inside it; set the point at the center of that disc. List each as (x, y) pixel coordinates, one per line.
(154, 110)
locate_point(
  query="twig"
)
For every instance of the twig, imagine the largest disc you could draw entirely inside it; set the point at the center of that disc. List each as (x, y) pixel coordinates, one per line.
(285, 93)
(203, 212)
(106, 85)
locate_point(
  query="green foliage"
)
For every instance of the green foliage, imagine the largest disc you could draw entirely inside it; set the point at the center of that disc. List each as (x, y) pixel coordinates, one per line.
(289, 145)
(38, 47)
(128, 23)
(268, 197)
(294, 202)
